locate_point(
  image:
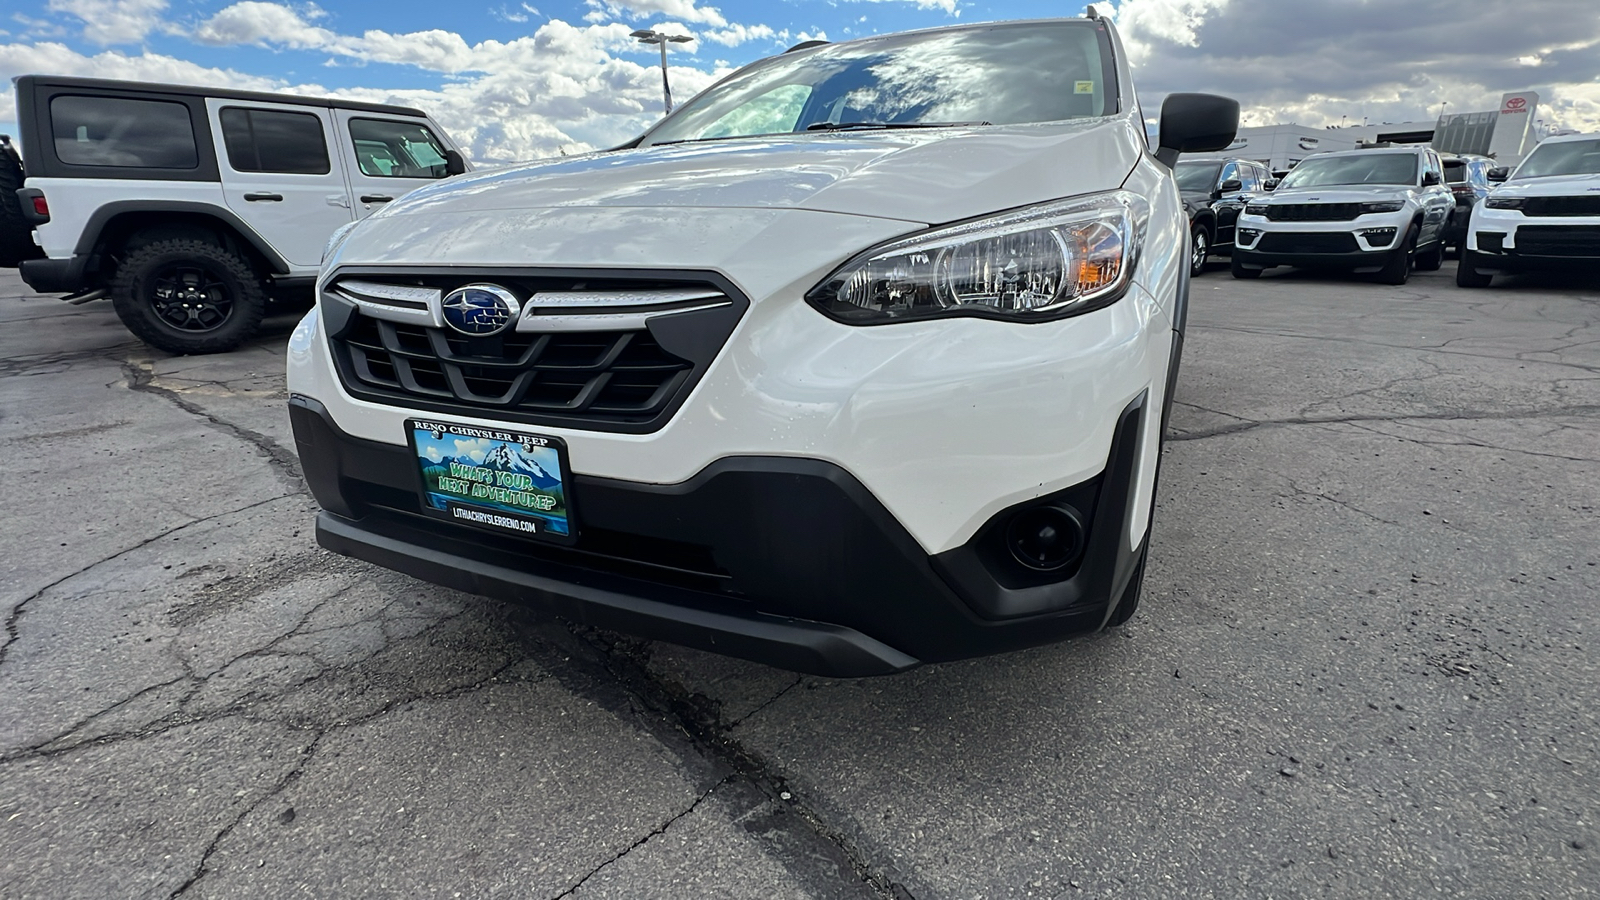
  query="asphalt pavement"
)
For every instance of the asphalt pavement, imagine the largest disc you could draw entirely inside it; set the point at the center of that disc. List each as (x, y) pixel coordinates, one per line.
(1365, 664)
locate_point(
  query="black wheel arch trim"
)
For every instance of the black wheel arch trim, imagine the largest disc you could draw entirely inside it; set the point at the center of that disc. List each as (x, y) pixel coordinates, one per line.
(89, 239)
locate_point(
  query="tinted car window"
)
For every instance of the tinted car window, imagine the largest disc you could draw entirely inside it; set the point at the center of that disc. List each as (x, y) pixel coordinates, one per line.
(1001, 75)
(114, 131)
(389, 149)
(1359, 168)
(1457, 171)
(264, 140)
(1197, 176)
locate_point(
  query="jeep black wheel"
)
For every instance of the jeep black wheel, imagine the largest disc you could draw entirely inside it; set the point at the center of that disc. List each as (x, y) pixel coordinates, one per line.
(189, 296)
(1199, 248)
(1467, 275)
(1240, 270)
(1398, 269)
(1431, 260)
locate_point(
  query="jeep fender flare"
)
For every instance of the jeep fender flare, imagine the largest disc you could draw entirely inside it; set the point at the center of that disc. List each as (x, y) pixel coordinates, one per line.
(227, 224)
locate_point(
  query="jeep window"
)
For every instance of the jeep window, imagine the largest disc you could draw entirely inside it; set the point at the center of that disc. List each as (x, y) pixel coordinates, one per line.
(1457, 171)
(389, 149)
(1562, 158)
(1197, 177)
(118, 131)
(999, 74)
(1365, 167)
(265, 140)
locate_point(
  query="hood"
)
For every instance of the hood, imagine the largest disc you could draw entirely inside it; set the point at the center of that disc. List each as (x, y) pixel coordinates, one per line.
(1336, 193)
(927, 176)
(1552, 186)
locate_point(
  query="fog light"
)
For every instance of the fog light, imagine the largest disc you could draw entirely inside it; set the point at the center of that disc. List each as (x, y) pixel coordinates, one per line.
(1046, 538)
(1379, 236)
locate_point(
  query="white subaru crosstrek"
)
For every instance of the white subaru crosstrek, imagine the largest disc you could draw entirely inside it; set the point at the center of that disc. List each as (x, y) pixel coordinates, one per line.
(1546, 216)
(857, 360)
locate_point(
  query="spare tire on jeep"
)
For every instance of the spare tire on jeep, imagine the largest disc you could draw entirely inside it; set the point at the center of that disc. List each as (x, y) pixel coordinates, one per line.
(16, 235)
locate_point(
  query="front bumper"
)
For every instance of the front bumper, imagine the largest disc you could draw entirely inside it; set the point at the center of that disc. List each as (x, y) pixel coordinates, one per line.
(1497, 240)
(786, 561)
(1334, 244)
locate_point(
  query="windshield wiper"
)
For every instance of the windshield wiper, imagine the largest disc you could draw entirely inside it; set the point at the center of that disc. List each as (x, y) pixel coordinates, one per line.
(853, 126)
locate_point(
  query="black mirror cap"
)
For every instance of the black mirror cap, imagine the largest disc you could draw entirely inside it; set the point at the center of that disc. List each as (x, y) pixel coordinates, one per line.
(1231, 185)
(1271, 184)
(1429, 179)
(1499, 173)
(1196, 123)
(454, 163)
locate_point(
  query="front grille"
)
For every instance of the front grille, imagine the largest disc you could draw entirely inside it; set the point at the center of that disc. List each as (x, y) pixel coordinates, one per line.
(1561, 206)
(1313, 212)
(1559, 240)
(1308, 242)
(583, 365)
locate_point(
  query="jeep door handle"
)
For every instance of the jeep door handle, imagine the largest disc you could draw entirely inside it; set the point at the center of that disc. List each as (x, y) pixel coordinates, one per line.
(256, 197)
(375, 198)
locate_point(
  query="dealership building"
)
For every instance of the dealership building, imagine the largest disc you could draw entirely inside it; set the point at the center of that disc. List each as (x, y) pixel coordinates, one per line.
(1505, 133)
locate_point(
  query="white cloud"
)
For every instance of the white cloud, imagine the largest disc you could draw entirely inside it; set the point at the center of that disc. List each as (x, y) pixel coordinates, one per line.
(107, 22)
(950, 7)
(682, 10)
(734, 35)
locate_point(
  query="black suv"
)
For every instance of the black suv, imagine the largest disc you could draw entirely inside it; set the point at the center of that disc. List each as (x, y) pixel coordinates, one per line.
(1468, 177)
(1214, 192)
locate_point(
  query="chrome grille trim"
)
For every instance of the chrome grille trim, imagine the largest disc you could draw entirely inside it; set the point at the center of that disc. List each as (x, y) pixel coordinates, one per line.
(407, 304)
(532, 320)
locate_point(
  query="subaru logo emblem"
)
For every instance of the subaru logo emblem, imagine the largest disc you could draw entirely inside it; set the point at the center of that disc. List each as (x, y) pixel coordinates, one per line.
(480, 310)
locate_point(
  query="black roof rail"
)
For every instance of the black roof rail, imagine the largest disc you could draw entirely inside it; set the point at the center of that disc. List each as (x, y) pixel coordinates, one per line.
(806, 45)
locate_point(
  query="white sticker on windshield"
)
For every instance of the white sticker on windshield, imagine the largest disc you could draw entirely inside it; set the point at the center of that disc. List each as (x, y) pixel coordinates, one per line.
(1084, 87)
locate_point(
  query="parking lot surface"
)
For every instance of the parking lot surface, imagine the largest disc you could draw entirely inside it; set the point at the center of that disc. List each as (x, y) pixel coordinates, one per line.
(1365, 664)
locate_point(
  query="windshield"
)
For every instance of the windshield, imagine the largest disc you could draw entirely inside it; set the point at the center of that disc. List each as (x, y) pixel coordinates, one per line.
(1359, 168)
(1198, 176)
(996, 75)
(1562, 158)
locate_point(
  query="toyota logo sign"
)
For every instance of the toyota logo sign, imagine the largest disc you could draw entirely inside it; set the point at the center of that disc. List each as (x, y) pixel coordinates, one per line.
(1516, 104)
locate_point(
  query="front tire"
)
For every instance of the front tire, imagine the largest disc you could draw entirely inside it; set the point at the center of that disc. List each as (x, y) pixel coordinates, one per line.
(1432, 260)
(1199, 249)
(189, 296)
(1240, 270)
(1467, 275)
(1398, 269)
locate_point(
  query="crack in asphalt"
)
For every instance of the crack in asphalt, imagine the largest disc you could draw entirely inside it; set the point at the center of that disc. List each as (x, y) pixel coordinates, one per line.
(14, 618)
(1245, 424)
(141, 378)
(654, 833)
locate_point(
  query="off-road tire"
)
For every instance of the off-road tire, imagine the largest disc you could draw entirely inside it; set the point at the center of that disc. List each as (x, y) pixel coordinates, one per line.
(134, 294)
(1199, 248)
(1467, 275)
(1432, 260)
(1397, 270)
(16, 235)
(1240, 270)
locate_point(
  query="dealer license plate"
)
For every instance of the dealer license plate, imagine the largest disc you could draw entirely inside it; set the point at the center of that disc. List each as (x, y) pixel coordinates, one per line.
(507, 481)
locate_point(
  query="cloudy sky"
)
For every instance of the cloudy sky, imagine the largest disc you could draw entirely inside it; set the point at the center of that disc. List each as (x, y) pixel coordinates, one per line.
(519, 80)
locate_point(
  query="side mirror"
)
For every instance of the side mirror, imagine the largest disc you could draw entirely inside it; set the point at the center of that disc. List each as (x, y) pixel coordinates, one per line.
(1196, 123)
(1271, 184)
(1429, 179)
(454, 163)
(1230, 186)
(1499, 174)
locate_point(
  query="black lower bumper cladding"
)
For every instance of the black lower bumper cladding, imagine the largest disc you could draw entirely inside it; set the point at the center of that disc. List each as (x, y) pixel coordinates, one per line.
(788, 562)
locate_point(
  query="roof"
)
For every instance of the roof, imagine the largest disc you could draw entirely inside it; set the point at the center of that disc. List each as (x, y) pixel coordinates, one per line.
(192, 90)
(1564, 138)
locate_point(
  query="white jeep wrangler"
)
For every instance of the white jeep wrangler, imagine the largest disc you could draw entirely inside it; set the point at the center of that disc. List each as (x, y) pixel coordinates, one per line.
(189, 206)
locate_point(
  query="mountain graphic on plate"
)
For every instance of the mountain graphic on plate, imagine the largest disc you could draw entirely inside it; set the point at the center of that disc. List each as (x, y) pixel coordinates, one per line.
(509, 459)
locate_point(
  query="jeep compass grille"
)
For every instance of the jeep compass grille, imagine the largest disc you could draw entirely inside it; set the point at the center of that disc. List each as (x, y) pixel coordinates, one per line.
(1561, 206)
(1559, 240)
(1313, 212)
(1308, 242)
(596, 353)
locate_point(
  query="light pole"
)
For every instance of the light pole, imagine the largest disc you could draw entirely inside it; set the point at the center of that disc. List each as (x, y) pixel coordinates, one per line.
(646, 36)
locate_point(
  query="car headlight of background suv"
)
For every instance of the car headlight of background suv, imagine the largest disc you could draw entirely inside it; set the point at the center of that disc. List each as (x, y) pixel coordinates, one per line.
(1504, 202)
(1255, 209)
(1382, 206)
(1042, 262)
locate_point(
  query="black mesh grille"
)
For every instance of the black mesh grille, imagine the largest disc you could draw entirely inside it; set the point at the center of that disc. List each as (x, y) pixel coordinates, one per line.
(1559, 240)
(1313, 212)
(603, 380)
(1308, 242)
(1561, 206)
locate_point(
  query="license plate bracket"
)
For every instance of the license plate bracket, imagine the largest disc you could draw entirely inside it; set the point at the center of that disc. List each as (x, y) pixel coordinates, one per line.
(506, 481)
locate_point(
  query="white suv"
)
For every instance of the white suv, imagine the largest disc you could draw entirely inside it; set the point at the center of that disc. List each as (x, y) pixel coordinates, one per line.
(1372, 210)
(858, 359)
(188, 206)
(1547, 215)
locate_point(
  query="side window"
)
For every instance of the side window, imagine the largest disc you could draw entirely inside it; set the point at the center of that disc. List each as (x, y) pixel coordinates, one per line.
(1249, 178)
(389, 149)
(1229, 171)
(269, 140)
(117, 131)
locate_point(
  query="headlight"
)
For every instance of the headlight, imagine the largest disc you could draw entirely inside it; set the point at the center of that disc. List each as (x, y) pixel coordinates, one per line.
(1047, 261)
(1504, 202)
(1382, 206)
(1256, 209)
(337, 238)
